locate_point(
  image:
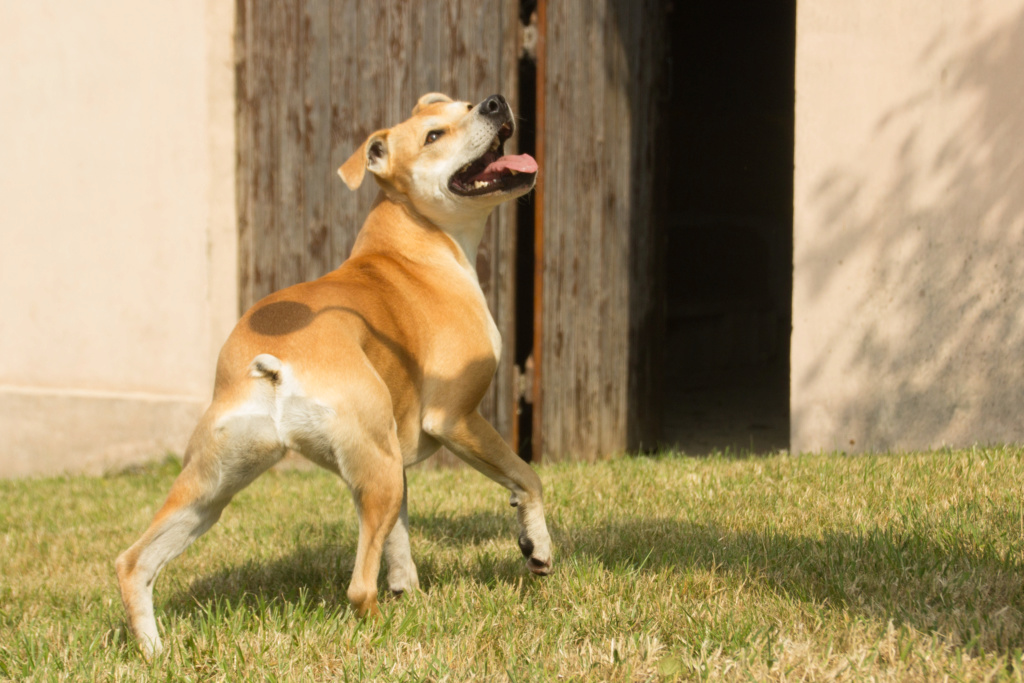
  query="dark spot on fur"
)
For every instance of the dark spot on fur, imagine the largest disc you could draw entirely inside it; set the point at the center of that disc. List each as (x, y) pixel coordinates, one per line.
(525, 545)
(280, 317)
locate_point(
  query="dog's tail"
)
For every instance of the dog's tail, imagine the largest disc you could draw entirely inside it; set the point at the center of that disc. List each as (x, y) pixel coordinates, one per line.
(266, 366)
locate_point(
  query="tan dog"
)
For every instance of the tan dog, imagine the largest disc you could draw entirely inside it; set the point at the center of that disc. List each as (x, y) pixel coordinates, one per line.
(372, 367)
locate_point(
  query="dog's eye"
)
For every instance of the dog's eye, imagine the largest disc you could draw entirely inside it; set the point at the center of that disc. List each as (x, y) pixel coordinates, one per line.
(433, 136)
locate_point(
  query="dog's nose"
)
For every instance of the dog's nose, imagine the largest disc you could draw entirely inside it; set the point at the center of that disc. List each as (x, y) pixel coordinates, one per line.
(495, 105)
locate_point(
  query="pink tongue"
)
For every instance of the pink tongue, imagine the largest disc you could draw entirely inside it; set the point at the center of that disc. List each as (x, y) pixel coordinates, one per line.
(521, 163)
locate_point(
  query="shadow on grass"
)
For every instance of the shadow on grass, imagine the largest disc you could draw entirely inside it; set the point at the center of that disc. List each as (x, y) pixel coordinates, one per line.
(931, 580)
(322, 570)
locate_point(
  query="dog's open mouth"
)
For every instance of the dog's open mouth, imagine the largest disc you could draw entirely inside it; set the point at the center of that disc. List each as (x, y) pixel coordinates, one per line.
(495, 172)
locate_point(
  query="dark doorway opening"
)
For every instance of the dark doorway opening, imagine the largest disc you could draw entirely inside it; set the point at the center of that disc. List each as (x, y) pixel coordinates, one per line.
(726, 167)
(525, 255)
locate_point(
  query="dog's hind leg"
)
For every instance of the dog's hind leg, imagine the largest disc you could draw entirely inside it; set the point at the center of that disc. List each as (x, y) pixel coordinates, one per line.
(374, 471)
(222, 458)
(402, 574)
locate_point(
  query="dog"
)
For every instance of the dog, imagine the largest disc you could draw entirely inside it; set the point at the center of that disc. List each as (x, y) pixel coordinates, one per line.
(371, 368)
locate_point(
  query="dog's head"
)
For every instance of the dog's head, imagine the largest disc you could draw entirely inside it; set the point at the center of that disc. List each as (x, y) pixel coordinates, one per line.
(447, 159)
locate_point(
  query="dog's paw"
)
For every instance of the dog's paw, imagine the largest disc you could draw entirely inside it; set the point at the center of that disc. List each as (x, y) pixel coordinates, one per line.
(538, 565)
(403, 578)
(400, 588)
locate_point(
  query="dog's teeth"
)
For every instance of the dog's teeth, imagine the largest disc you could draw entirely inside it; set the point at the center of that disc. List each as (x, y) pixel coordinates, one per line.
(513, 172)
(480, 183)
(495, 145)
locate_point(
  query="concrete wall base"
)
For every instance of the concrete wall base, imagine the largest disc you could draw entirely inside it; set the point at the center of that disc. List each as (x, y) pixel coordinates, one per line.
(56, 432)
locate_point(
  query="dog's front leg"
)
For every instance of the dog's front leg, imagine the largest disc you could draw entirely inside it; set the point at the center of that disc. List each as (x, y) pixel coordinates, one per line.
(476, 442)
(402, 574)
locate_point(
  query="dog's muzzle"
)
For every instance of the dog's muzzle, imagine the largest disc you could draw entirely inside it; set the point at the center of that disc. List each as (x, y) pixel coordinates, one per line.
(495, 107)
(493, 172)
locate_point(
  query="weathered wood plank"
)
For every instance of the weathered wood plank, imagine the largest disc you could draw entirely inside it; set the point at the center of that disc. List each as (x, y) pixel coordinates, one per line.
(397, 83)
(344, 95)
(568, 201)
(290, 121)
(537, 351)
(454, 80)
(426, 49)
(593, 253)
(244, 127)
(597, 241)
(506, 402)
(611, 380)
(264, 154)
(479, 31)
(315, 35)
(371, 87)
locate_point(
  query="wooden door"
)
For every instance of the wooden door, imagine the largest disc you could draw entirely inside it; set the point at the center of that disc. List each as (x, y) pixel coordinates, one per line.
(314, 79)
(598, 277)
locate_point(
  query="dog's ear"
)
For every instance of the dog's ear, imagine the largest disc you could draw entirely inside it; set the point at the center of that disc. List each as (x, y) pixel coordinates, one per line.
(429, 99)
(371, 156)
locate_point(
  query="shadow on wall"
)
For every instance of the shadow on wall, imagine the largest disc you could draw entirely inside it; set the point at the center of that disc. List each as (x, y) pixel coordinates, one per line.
(929, 239)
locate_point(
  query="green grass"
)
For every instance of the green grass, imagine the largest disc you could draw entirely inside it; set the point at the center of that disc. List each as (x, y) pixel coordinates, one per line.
(893, 567)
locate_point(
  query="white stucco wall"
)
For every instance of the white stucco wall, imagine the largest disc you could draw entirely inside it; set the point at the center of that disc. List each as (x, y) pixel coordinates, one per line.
(117, 227)
(908, 297)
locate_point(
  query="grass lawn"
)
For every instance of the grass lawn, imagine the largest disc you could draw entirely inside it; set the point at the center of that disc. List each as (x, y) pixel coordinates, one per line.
(893, 567)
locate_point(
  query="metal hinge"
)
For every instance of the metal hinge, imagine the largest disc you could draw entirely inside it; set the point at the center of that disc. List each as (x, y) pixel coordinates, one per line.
(523, 381)
(528, 39)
